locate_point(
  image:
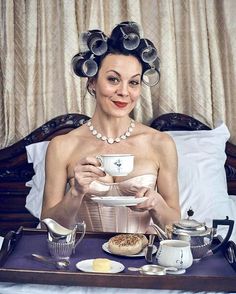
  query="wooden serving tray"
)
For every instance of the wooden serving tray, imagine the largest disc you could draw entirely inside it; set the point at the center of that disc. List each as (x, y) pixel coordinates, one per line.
(213, 273)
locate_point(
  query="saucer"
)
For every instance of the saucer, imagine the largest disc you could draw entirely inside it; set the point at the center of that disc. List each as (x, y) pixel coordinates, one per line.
(118, 200)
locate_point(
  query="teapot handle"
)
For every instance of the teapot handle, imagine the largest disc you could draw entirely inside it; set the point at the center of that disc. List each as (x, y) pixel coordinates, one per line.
(223, 222)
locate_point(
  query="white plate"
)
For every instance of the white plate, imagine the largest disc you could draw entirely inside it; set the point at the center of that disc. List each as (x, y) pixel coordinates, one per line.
(118, 200)
(87, 266)
(140, 254)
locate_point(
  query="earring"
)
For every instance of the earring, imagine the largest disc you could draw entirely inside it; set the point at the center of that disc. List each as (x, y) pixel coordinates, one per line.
(91, 91)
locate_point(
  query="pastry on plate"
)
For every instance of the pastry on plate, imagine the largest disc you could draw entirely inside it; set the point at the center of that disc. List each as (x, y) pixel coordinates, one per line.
(127, 244)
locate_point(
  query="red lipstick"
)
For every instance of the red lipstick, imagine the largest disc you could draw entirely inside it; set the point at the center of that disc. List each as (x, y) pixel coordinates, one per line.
(120, 104)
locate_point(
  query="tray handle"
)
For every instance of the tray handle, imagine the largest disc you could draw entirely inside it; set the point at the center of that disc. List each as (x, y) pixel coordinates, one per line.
(9, 244)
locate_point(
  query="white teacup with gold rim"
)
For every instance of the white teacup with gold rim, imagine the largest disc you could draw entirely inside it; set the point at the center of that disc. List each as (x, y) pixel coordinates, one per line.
(116, 164)
(174, 253)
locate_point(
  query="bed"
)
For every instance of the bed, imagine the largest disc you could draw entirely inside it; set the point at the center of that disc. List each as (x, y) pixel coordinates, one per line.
(15, 170)
(207, 177)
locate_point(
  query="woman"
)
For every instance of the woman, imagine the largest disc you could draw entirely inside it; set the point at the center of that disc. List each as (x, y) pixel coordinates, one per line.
(115, 68)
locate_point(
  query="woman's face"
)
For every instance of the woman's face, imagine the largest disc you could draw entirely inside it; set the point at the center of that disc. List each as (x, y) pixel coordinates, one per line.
(118, 84)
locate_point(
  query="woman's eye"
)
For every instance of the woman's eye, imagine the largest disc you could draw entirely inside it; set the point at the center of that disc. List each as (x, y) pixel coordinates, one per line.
(113, 80)
(134, 83)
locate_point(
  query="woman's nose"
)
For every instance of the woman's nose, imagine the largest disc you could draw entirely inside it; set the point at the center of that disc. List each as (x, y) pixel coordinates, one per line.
(123, 89)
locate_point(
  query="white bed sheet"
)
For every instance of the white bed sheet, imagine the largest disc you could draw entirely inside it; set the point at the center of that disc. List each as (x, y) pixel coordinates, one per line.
(11, 288)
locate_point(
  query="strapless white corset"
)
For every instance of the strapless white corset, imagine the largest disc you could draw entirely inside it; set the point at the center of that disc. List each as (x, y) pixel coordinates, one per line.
(116, 219)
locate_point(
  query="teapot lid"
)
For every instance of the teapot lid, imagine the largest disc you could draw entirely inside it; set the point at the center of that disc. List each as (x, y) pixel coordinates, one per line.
(190, 225)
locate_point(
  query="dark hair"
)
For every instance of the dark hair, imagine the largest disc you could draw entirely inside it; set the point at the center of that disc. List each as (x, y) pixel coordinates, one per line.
(124, 40)
(116, 51)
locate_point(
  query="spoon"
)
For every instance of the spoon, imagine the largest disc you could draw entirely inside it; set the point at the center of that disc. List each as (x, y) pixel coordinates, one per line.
(152, 269)
(60, 264)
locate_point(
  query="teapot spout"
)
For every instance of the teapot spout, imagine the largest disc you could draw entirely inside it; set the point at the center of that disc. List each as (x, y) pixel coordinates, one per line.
(160, 233)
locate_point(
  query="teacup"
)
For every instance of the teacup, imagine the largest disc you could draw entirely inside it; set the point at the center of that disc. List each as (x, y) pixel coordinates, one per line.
(174, 253)
(117, 164)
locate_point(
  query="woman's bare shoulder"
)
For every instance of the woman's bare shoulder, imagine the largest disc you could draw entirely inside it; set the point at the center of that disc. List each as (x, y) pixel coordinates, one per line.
(158, 142)
(157, 137)
(66, 142)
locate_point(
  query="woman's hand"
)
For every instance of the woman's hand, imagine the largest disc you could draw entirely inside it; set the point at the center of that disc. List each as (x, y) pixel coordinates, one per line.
(157, 207)
(85, 172)
(150, 203)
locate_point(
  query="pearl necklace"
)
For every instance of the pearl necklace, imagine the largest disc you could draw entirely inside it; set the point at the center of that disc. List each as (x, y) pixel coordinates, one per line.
(111, 140)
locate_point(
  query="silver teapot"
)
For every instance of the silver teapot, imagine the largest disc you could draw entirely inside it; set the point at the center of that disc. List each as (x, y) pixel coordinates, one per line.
(198, 234)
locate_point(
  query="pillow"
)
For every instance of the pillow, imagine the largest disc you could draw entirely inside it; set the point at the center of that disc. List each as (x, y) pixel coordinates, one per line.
(36, 155)
(201, 174)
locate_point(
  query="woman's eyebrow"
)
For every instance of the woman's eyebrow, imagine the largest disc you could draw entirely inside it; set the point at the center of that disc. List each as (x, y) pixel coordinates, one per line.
(114, 71)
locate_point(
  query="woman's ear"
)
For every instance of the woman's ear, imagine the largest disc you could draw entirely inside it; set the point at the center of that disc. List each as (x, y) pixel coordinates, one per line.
(91, 86)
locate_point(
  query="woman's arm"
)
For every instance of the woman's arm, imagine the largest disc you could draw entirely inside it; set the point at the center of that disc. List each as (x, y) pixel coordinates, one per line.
(163, 205)
(61, 204)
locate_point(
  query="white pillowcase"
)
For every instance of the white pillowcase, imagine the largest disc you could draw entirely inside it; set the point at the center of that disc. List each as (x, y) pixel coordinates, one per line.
(202, 178)
(36, 155)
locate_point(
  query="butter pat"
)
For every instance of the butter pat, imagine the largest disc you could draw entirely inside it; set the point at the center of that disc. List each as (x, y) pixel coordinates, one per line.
(101, 265)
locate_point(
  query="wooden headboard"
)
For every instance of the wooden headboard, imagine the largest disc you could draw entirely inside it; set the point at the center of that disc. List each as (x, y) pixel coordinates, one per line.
(15, 171)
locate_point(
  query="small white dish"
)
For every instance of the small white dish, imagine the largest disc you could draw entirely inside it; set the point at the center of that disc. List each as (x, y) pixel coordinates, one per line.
(178, 272)
(140, 254)
(87, 266)
(118, 200)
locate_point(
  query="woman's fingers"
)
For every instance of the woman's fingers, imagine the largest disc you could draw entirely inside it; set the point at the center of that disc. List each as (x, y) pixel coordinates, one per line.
(141, 192)
(89, 166)
(89, 160)
(85, 172)
(149, 203)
